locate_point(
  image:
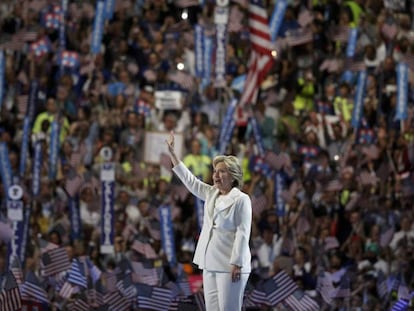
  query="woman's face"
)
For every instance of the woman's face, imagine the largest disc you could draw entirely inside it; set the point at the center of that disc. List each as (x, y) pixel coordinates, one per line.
(222, 178)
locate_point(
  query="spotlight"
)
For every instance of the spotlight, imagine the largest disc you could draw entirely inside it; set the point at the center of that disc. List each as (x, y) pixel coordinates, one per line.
(184, 14)
(180, 66)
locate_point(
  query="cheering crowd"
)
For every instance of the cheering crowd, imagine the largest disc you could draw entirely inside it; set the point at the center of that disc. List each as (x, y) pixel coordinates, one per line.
(327, 149)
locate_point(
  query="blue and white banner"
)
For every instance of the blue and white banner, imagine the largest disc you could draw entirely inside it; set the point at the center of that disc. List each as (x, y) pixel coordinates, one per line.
(167, 234)
(74, 215)
(227, 137)
(221, 46)
(2, 80)
(352, 42)
(5, 167)
(257, 136)
(32, 102)
(109, 9)
(54, 149)
(277, 18)
(227, 118)
(227, 127)
(199, 50)
(17, 245)
(401, 112)
(25, 146)
(62, 37)
(107, 210)
(359, 99)
(208, 52)
(199, 205)
(37, 168)
(98, 26)
(279, 187)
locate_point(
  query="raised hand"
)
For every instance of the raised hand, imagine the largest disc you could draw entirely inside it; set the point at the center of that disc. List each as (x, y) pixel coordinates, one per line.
(170, 144)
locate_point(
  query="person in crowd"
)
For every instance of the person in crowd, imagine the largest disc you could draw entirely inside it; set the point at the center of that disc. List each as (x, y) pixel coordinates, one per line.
(222, 250)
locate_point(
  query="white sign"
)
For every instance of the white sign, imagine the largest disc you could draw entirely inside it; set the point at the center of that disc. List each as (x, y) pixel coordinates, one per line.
(155, 145)
(107, 171)
(171, 100)
(15, 210)
(221, 15)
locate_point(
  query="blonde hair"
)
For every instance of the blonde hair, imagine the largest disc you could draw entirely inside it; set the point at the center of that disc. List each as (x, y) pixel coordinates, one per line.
(233, 165)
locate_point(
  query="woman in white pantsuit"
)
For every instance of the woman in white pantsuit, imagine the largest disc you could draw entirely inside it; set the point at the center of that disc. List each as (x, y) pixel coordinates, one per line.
(222, 250)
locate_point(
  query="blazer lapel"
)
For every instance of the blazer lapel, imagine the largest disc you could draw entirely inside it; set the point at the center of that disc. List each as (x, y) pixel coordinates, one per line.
(210, 207)
(227, 201)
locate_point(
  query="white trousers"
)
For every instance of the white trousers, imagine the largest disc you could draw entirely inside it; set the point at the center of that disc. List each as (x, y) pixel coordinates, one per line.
(220, 293)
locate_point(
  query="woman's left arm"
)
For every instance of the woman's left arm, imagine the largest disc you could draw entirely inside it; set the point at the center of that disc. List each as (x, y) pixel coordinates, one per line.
(243, 222)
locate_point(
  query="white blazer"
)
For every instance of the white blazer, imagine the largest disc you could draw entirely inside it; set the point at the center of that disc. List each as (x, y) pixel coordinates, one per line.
(225, 234)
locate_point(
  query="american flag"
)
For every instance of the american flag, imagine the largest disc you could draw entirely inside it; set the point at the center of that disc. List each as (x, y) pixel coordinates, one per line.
(17, 271)
(261, 59)
(400, 305)
(10, 299)
(144, 272)
(339, 33)
(141, 107)
(144, 248)
(69, 59)
(79, 304)
(76, 274)
(183, 79)
(126, 286)
(116, 301)
(299, 36)
(55, 261)
(299, 301)
(68, 290)
(325, 287)
(41, 47)
(153, 297)
(256, 298)
(51, 20)
(354, 65)
(279, 287)
(52, 17)
(96, 295)
(33, 290)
